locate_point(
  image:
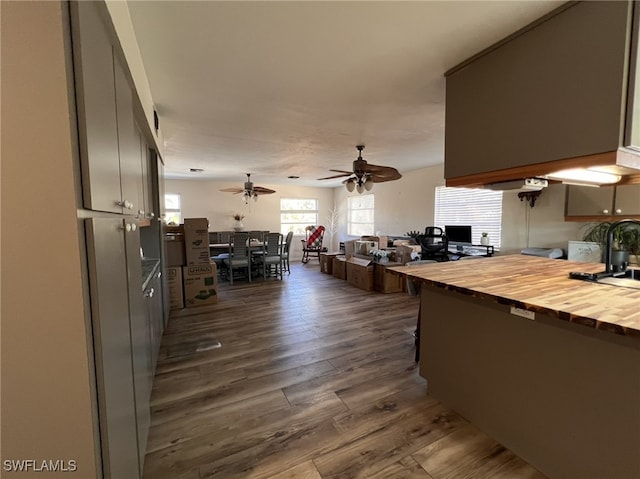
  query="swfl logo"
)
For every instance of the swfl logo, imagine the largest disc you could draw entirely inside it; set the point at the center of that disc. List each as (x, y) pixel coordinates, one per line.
(35, 465)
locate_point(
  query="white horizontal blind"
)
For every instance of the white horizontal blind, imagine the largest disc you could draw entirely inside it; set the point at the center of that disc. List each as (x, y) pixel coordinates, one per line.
(482, 209)
(297, 213)
(361, 215)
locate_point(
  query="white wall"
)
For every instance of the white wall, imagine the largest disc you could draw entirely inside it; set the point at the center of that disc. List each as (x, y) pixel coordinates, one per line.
(546, 226)
(47, 387)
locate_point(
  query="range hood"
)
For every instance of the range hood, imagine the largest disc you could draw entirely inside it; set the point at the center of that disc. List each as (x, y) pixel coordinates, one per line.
(526, 184)
(561, 93)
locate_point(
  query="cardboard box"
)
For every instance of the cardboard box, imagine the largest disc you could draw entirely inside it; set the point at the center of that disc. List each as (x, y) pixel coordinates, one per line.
(360, 273)
(386, 282)
(326, 261)
(381, 241)
(196, 241)
(174, 247)
(339, 267)
(403, 252)
(363, 247)
(349, 247)
(200, 284)
(174, 281)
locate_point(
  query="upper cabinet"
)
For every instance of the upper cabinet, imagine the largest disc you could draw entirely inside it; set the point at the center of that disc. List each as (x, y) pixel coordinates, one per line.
(551, 96)
(607, 203)
(109, 141)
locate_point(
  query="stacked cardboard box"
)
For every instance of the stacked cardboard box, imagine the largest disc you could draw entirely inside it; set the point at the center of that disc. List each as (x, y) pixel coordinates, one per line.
(339, 269)
(326, 261)
(386, 282)
(403, 252)
(360, 273)
(174, 281)
(174, 247)
(196, 241)
(200, 284)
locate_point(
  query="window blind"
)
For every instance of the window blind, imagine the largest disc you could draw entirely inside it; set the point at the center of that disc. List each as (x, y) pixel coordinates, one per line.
(482, 209)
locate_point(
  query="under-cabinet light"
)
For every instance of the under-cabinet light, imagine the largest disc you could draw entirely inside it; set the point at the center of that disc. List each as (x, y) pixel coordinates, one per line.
(584, 177)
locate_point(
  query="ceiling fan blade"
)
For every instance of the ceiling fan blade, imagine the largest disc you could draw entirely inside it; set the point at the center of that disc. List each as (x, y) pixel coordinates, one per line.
(344, 173)
(232, 190)
(380, 174)
(260, 190)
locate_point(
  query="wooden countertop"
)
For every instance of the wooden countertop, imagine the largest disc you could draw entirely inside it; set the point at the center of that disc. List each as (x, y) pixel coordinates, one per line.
(540, 285)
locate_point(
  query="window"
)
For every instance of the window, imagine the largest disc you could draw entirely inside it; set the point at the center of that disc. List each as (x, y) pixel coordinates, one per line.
(172, 208)
(482, 209)
(297, 213)
(360, 211)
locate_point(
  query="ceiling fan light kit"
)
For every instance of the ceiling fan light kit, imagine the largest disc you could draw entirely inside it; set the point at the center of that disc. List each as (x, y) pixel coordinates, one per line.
(249, 191)
(364, 175)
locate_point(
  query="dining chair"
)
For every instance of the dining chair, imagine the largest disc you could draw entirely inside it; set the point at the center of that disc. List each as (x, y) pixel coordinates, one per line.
(271, 254)
(224, 236)
(257, 235)
(286, 248)
(239, 257)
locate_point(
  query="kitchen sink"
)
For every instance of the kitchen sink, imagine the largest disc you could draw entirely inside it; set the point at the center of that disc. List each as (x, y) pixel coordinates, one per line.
(629, 278)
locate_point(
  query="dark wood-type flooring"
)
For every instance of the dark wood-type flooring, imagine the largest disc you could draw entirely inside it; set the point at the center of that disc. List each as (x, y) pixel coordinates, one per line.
(314, 379)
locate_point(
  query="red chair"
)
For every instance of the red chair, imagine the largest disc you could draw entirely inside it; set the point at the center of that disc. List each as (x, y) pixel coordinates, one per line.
(312, 245)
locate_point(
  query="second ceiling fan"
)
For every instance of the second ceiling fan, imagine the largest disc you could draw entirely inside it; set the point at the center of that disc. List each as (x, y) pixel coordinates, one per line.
(365, 174)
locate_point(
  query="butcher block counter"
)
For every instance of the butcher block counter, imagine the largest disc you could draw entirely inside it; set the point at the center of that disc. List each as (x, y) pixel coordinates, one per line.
(548, 366)
(539, 285)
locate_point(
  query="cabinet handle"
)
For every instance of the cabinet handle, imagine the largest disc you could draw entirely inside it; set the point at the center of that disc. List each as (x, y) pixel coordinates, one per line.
(125, 204)
(606, 212)
(141, 212)
(133, 227)
(618, 211)
(126, 227)
(152, 215)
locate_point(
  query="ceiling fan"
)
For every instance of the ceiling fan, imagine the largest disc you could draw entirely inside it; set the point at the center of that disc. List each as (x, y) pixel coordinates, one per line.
(249, 191)
(364, 174)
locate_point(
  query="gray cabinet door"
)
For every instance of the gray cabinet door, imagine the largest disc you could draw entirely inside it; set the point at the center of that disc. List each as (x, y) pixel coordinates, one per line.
(627, 200)
(128, 143)
(551, 93)
(95, 96)
(140, 347)
(108, 278)
(589, 201)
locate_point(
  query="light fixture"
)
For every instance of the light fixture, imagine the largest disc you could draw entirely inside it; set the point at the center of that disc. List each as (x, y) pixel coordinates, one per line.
(584, 177)
(350, 186)
(359, 183)
(368, 185)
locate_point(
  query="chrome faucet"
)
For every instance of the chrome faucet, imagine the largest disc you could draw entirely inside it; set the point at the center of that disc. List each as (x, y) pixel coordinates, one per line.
(608, 258)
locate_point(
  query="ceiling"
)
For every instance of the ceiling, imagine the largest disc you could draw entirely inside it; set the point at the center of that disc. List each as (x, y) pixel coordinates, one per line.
(290, 88)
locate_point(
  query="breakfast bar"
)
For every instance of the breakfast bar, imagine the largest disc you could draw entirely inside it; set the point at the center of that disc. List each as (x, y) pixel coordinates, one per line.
(548, 366)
